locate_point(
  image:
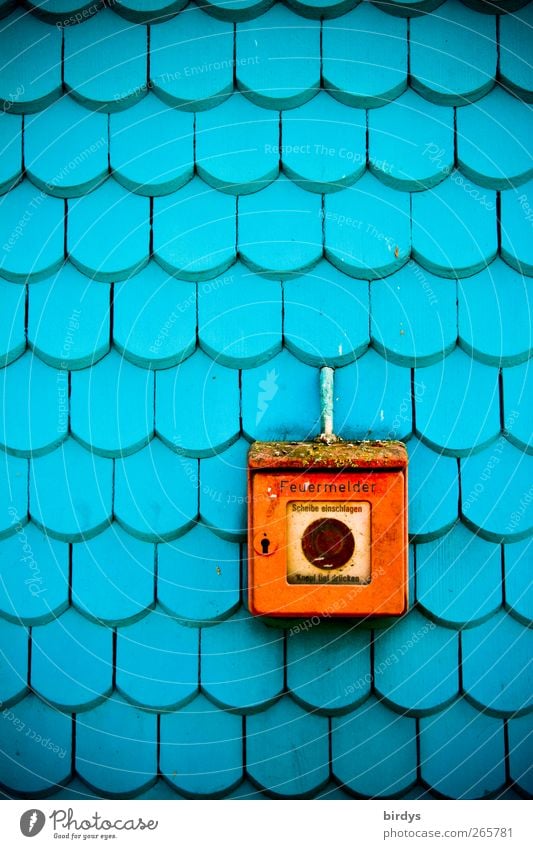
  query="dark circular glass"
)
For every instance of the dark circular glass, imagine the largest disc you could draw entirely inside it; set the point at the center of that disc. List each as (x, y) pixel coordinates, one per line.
(328, 543)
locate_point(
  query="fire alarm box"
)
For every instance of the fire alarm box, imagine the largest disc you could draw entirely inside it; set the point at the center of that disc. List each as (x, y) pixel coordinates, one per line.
(328, 529)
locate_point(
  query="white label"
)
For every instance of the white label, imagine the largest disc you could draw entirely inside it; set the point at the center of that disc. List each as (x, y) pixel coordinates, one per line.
(328, 542)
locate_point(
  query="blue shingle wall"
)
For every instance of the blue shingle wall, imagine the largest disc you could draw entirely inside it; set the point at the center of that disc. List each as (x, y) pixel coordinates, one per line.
(200, 207)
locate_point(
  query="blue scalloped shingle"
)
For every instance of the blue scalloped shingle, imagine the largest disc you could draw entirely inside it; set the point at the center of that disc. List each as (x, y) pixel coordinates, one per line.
(323, 144)
(108, 233)
(408, 8)
(60, 649)
(208, 386)
(328, 667)
(494, 315)
(235, 10)
(415, 665)
(154, 318)
(453, 54)
(516, 53)
(157, 662)
(242, 663)
(201, 749)
(454, 227)
(367, 229)
(240, 318)
(293, 241)
(64, 12)
(277, 59)
(414, 316)
(481, 770)
(508, 123)
(14, 483)
(105, 739)
(516, 224)
(11, 150)
(365, 57)
(326, 316)
(113, 577)
(246, 790)
(272, 395)
(34, 83)
(458, 578)
(13, 662)
(237, 146)
(195, 232)
(151, 147)
(66, 149)
(458, 406)
(112, 407)
(198, 577)
(496, 492)
(35, 747)
(149, 11)
(410, 142)
(373, 399)
(12, 335)
(520, 767)
(287, 750)
(70, 492)
(223, 490)
(34, 579)
(156, 493)
(31, 234)
(517, 406)
(191, 60)
(374, 750)
(322, 9)
(105, 62)
(431, 472)
(68, 320)
(518, 585)
(35, 395)
(497, 675)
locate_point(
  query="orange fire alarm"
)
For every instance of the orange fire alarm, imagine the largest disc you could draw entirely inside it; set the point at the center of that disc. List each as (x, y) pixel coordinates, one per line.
(328, 529)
